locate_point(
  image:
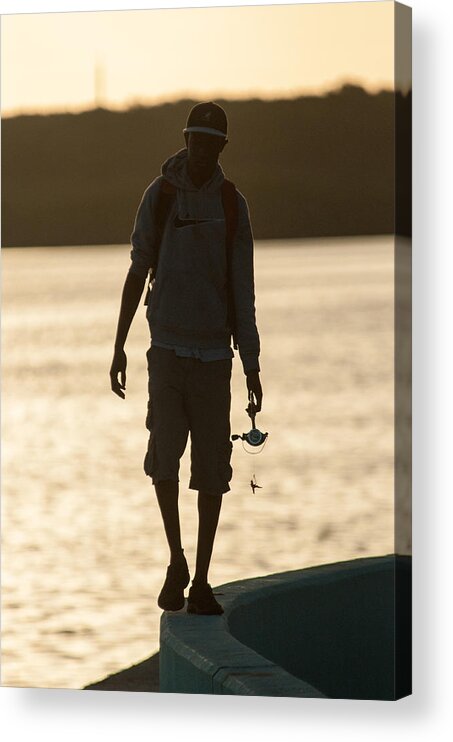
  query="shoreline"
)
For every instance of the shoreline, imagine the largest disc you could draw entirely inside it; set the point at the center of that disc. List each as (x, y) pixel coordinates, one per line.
(142, 677)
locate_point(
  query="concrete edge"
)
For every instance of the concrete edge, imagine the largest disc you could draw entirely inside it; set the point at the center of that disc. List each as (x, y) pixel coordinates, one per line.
(198, 654)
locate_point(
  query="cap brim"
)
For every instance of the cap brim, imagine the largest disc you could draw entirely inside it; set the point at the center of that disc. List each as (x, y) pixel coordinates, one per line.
(205, 130)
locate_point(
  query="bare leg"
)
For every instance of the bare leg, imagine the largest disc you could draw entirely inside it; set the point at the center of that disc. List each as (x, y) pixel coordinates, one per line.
(167, 492)
(208, 518)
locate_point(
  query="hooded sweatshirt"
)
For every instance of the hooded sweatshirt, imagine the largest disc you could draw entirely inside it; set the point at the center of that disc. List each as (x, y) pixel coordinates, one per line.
(188, 302)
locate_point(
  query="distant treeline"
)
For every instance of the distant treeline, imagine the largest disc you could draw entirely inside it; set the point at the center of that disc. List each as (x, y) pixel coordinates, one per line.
(311, 166)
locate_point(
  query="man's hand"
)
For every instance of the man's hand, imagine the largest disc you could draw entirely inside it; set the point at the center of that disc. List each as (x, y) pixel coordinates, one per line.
(132, 291)
(254, 385)
(118, 366)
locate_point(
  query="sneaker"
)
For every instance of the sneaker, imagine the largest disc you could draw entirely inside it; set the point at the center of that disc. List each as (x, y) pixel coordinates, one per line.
(171, 597)
(201, 600)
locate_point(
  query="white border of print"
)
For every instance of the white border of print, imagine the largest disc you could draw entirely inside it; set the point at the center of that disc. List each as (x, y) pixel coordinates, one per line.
(50, 715)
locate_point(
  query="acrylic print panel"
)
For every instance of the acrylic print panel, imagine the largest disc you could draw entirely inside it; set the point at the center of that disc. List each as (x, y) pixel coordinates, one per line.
(312, 567)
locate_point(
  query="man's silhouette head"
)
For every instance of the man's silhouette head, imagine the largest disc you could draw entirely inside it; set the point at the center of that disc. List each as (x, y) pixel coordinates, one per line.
(206, 136)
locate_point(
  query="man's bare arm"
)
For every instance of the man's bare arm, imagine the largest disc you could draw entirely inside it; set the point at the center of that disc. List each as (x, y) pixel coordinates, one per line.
(132, 291)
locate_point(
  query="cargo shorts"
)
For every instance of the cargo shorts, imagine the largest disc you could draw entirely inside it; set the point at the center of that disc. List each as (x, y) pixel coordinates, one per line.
(189, 395)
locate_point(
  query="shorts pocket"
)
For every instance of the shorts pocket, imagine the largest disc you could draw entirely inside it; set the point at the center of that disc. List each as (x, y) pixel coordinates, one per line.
(149, 416)
(225, 471)
(148, 412)
(150, 458)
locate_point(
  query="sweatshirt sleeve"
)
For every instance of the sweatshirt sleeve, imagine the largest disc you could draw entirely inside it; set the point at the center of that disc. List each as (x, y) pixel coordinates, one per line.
(244, 289)
(144, 235)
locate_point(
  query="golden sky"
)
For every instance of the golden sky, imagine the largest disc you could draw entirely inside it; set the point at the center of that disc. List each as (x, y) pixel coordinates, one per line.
(72, 61)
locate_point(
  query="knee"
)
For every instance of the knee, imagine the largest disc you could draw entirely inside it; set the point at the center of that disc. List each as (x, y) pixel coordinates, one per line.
(166, 486)
(205, 495)
(209, 499)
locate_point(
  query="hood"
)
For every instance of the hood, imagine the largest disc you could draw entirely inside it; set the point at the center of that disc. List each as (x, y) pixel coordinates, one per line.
(175, 171)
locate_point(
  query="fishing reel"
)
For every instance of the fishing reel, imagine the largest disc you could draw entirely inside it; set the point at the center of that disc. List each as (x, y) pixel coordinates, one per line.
(254, 437)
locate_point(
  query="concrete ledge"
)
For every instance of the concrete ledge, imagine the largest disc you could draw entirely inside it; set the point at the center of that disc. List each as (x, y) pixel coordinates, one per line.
(310, 633)
(198, 654)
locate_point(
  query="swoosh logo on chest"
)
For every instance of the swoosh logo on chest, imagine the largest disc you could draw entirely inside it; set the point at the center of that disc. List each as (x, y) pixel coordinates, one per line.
(190, 222)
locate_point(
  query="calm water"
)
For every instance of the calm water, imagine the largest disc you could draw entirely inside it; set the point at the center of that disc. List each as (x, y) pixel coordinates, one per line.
(84, 552)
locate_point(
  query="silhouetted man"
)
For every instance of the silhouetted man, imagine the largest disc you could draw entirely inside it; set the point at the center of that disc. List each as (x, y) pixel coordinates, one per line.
(192, 234)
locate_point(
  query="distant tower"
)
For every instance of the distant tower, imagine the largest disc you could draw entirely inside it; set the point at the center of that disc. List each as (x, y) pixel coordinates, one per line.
(99, 85)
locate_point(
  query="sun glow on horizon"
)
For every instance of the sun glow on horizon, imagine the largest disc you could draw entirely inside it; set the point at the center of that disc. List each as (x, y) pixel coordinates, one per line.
(70, 62)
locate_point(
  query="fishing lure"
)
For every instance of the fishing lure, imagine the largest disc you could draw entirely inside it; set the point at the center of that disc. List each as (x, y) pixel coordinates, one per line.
(254, 485)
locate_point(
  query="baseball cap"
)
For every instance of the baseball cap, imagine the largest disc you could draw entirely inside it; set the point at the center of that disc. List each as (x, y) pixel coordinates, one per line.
(207, 118)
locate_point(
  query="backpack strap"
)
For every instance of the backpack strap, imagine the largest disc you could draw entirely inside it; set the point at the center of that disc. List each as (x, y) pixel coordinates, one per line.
(230, 208)
(165, 198)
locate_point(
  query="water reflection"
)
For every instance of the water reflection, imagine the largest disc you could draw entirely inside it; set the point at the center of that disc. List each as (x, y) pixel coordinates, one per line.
(84, 553)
